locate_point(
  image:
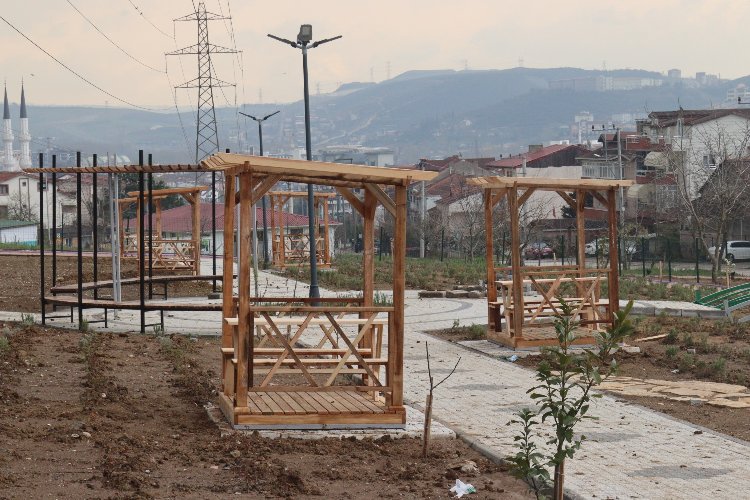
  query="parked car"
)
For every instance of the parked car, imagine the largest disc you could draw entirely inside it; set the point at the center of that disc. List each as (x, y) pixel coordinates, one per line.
(538, 250)
(602, 244)
(736, 250)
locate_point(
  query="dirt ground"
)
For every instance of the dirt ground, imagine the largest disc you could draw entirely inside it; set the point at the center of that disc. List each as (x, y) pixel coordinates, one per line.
(721, 354)
(19, 280)
(122, 416)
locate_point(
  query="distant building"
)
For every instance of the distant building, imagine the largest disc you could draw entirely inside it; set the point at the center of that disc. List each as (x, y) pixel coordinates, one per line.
(704, 138)
(674, 74)
(357, 155)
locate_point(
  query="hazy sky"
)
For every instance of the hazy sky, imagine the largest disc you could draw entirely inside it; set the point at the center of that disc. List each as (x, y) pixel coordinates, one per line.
(692, 35)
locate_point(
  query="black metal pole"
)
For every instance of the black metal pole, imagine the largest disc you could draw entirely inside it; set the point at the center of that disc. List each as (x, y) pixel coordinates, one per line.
(54, 222)
(95, 228)
(141, 246)
(263, 205)
(697, 271)
(669, 259)
(314, 290)
(79, 236)
(150, 230)
(213, 227)
(41, 240)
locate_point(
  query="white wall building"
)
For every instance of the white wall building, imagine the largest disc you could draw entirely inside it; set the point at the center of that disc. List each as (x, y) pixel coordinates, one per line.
(700, 140)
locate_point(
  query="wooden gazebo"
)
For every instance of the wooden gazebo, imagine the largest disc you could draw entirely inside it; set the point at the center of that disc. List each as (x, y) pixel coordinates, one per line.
(289, 248)
(167, 254)
(331, 369)
(525, 320)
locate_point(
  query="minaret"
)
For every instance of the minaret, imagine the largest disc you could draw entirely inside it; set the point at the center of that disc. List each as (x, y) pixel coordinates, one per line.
(24, 137)
(9, 163)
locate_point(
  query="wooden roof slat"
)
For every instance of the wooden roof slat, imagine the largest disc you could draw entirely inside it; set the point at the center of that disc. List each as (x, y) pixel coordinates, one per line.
(547, 183)
(316, 171)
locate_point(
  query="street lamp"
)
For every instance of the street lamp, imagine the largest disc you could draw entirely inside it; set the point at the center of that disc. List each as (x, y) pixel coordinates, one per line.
(304, 42)
(262, 200)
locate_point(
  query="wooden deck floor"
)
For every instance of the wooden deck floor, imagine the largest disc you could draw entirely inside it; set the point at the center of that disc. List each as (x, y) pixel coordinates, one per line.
(303, 409)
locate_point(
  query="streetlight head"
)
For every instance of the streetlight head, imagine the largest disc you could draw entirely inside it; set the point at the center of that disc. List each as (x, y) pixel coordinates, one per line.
(305, 34)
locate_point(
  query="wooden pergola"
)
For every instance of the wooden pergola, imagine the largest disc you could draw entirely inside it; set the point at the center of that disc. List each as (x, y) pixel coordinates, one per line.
(329, 369)
(520, 320)
(288, 248)
(167, 254)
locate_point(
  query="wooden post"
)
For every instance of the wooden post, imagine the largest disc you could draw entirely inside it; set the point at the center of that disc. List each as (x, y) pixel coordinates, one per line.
(614, 277)
(489, 259)
(396, 333)
(516, 330)
(272, 238)
(195, 200)
(368, 254)
(581, 237)
(227, 306)
(581, 229)
(244, 337)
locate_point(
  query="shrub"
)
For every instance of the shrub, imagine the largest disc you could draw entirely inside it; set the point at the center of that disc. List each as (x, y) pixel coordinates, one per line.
(672, 351)
(686, 362)
(687, 340)
(476, 331)
(672, 336)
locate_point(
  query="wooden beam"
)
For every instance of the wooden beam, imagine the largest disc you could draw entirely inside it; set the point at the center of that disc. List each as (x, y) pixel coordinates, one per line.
(600, 198)
(614, 277)
(396, 328)
(382, 197)
(368, 241)
(515, 263)
(525, 196)
(244, 360)
(264, 187)
(570, 201)
(498, 195)
(581, 230)
(227, 294)
(489, 256)
(352, 198)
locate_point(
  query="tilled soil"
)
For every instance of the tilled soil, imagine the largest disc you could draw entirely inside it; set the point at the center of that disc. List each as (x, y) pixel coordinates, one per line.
(20, 280)
(122, 416)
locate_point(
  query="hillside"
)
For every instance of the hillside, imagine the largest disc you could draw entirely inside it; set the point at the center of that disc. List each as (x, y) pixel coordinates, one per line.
(418, 113)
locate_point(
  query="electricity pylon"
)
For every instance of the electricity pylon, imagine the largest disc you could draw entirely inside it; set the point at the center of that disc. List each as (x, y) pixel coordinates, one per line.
(206, 137)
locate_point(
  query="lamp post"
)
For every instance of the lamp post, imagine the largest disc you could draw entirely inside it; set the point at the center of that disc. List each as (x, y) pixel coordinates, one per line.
(304, 42)
(263, 200)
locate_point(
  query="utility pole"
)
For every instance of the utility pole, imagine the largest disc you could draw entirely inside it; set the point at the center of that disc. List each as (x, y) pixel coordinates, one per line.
(206, 138)
(263, 199)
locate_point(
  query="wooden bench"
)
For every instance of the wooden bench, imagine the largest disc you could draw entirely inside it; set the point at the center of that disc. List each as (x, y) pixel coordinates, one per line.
(316, 360)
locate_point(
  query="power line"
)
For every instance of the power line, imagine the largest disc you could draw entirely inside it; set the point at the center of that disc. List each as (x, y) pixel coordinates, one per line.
(58, 61)
(112, 41)
(173, 91)
(140, 12)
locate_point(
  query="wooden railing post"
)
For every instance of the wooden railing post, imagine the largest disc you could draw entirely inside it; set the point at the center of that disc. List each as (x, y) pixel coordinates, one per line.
(227, 307)
(244, 337)
(396, 330)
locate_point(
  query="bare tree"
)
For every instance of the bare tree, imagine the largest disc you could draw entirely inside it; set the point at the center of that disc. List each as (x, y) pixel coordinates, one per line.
(20, 209)
(713, 175)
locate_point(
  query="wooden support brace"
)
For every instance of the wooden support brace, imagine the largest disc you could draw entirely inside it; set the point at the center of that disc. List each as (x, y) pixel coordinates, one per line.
(382, 197)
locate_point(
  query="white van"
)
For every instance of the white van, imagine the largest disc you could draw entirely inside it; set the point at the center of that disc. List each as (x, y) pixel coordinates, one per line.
(736, 250)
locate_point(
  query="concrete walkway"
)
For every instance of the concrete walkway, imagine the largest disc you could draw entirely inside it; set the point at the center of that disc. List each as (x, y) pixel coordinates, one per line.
(630, 452)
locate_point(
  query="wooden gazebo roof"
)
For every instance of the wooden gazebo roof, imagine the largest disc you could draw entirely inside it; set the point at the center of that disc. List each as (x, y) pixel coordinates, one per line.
(316, 172)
